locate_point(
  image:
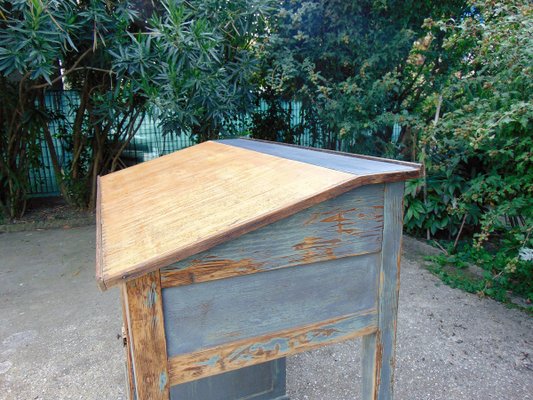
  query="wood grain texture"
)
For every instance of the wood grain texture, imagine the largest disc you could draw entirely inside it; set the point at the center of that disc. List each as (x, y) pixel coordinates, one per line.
(99, 248)
(345, 226)
(212, 313)
(162, 211)
(379, 349)
(372, 359)
(169, 208)
(148, 344)
(231, 356)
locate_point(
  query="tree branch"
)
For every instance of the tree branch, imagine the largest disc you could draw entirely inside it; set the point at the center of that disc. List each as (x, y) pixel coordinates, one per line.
(459, 233)
(72, 69)
(132, 130)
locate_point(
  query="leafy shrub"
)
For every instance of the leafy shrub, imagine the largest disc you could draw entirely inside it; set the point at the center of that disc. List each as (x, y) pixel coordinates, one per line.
(479, 156)
(191, 62)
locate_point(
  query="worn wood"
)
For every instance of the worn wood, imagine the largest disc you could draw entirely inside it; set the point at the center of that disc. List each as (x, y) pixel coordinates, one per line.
(379, 349)
(162, 211)
(353, 164)
(322, 229)
(372, 358)
(231, 356)
(146, 330)
(348, 225)
(99, 249)
(158, 212)
(212, 313)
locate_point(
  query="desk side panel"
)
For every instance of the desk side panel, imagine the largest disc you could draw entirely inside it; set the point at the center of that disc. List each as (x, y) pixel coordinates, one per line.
(204, 315)
(244, 353)
(345, 226)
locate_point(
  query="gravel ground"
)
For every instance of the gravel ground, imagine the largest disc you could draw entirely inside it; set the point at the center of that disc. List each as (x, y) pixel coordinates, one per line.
(58, 333)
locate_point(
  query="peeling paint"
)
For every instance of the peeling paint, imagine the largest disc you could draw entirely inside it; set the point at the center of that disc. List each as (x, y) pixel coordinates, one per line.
(316, 249)
(343, 224)
(163, 380)
(151, 296)
(211, 362)
(348, 225)
(378, 364)
(231, 356)
(313, 218)
(213, 264)
(211, 267)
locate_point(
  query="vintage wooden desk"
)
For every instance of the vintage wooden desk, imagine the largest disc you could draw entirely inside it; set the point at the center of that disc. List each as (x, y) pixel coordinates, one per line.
(236, 253)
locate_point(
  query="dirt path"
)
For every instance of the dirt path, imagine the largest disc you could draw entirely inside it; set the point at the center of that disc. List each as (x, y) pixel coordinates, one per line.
(58, 334)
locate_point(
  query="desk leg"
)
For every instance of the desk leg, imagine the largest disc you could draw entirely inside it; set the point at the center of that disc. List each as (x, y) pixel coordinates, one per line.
(379, 348)
(147, 345)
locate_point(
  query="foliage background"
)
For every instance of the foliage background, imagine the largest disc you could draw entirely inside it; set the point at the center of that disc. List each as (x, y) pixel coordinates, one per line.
(191, 62)
(454, 75)
(479, 154)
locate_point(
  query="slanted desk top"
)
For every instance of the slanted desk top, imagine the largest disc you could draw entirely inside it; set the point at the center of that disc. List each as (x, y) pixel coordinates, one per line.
(162, 211)
(237, 253)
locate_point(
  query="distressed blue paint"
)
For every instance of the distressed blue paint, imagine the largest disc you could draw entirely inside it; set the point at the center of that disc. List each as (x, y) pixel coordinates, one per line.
(388, 303)
(163, 379)
(379, 348)
(277, 344)
(211, 362)
(208, 314)
(348, 225)
(338, 162)
(369, 363)
(318, 336)
(151, 296)
(287, 343)
(264, 381)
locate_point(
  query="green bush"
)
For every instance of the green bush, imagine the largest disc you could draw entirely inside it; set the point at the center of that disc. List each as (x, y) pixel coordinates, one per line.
(190, 62)
(479, 154)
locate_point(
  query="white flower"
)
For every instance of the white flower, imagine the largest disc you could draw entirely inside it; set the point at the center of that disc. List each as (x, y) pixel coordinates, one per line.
(526, 254)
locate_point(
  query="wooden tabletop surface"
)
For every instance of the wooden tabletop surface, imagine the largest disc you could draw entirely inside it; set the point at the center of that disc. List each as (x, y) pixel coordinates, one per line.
(161, 211)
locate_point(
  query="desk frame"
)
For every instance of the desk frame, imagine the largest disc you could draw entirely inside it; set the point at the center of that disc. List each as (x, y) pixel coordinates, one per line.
(152, 372)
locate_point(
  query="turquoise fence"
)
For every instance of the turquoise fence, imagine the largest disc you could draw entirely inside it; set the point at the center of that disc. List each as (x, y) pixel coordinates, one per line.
(150, 142)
